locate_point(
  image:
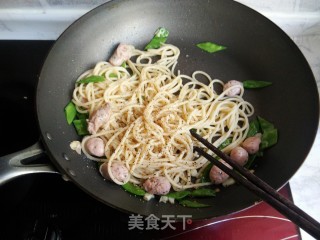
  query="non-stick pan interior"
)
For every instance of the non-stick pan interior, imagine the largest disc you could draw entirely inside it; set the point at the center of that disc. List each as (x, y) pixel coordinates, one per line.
(256, 50)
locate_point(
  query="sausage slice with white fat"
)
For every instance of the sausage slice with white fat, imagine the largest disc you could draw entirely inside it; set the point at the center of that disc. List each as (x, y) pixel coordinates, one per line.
(233, 87)
(252, 144)
(95, 146)
(98, 118)
(157, 185)
(119, 172)
(218, 176)
(239, 155)
(122, 53)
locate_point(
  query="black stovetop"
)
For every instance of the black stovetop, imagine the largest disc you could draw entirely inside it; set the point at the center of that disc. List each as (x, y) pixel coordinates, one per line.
(42, 206)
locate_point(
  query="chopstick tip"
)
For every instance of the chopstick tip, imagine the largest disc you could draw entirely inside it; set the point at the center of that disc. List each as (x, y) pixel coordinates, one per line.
(193, 130)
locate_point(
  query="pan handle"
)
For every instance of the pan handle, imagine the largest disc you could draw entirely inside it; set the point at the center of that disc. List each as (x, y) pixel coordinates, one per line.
(16, 164)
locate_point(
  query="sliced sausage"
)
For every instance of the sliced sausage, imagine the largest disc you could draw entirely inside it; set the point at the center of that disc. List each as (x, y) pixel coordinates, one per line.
(236, 88)
(218, 176)
(122, 53)
(119, 171)
(98, 118)
(251, 144)
(95, 147)
(157, 185)
(239, 155)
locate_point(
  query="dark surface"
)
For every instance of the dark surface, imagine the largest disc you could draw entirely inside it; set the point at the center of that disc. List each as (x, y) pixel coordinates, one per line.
(42, 206)
(20, 62)
(54, 209)
(256, 49)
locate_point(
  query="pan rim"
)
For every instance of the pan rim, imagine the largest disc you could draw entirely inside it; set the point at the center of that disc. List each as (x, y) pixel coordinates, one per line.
(92, 12)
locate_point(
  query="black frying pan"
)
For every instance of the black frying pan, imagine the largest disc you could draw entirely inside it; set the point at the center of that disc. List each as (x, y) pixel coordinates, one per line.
(256, 49)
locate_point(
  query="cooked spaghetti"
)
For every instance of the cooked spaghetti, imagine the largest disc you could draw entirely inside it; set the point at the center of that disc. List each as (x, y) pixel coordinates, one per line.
(153, 108)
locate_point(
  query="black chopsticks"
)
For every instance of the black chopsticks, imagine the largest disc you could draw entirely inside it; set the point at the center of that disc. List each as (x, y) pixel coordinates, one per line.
(260, 188)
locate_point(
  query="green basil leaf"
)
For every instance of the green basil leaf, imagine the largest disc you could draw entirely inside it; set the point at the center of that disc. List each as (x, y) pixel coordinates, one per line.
(134, 189)
(203, 192)
(210, 47)
(254, 128)
(265, 125)
(192, 204)
(124, 64)
(255, 84)
(113, 75)
(269, 133)
(205, 173)
(178, 195)
(269, 138)
(82, 115)
(159, 38)
(251, 159)
(92, 79)
(226, 143)
(81, 126)
(70, 112)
